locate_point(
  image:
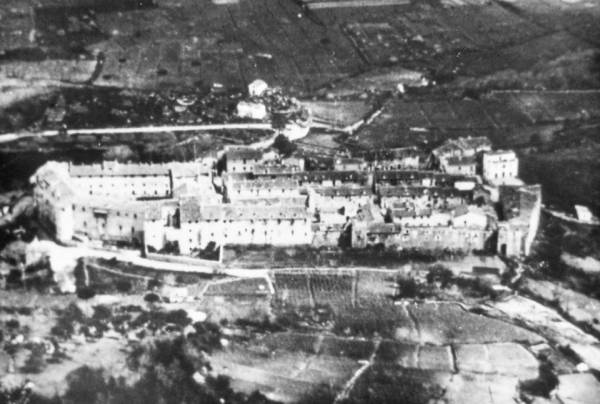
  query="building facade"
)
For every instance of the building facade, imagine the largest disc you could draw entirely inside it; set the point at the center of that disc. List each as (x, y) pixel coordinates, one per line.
(500, 167)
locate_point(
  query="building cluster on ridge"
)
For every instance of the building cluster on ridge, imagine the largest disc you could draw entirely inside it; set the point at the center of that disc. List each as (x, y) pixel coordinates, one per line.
(465, 196)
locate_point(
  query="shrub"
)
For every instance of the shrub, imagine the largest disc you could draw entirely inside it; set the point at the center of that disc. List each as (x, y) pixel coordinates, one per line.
(86, 292)
(123, 286)
(35, 363)
(152, 298)
(407, 287)
(440, 273)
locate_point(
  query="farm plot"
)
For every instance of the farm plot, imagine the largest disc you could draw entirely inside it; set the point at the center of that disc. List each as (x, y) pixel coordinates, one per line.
(290, 341)
(545, 319)
(554, 105)
(508, 359)
(424, 357)
(351, 348)
(339, 114)
(198, 43)
(481, 389)
(334, 289)
(386, 320)
(285, 375)
(251, 286)
(444, 322)
(393, 384)
(375, 287)
(292, 289)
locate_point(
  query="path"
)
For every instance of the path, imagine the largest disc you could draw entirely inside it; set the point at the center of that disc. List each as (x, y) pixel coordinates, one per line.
(9, 137)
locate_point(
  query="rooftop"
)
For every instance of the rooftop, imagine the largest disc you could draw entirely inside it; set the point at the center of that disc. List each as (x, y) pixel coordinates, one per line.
(192, 210)
(240, 153)
(463, 144)
(343, 191)
(461, 161)
(263, 183)
(409, 191)
(116, 169)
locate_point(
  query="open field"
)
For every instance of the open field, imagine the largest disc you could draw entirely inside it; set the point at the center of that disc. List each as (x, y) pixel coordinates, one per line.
(142, 47)
(286, 375)
(505, 117)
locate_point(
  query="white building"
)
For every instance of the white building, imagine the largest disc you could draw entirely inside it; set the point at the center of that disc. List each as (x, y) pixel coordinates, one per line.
(466, 165)
(500, 167)
(252, 110)
(242, 225)
(108, 201)
(242, 159)
(257, 88)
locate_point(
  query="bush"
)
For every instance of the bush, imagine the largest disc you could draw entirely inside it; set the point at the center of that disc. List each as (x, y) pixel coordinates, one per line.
(123, 286)
(407, 288)
(178, 317)
(440, 273)
(35, 363)
(284, 146)
(86, 292)
(152, 298)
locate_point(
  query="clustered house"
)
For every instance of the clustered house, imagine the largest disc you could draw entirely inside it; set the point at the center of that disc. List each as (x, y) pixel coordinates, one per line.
(391, 198)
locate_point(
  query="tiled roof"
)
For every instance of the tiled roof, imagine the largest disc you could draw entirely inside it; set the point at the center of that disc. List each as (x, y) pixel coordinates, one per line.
(266, 169)
(299, 200)
(319, 176)
(280, 182)
(384, 228)
(349, 160)
(343, 191)
(404, 191)
(411, 176)
(191, 210)
(462, 144)
(394, 154)
(113, 168)
(240, 153)
(461, 161)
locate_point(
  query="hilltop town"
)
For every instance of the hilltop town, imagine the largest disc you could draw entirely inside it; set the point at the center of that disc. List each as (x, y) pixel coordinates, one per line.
(299, 201)
(464, 197)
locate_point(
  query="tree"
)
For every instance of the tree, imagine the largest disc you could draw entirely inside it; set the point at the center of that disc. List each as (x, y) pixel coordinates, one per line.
(284, 146)
(440, 273)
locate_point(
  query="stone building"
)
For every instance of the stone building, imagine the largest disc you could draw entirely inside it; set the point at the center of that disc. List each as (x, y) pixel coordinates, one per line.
(336, 204)
(242, 225)
(521, 210)
(462, 147)
(349, 164)
(394, 236)
(465, 165)
(421, 197)
(242, 159)
(418, 178)
(402, 158)
(260, 188)
(500, 167)
(122, 181)
(53, 197)
(108, 202)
